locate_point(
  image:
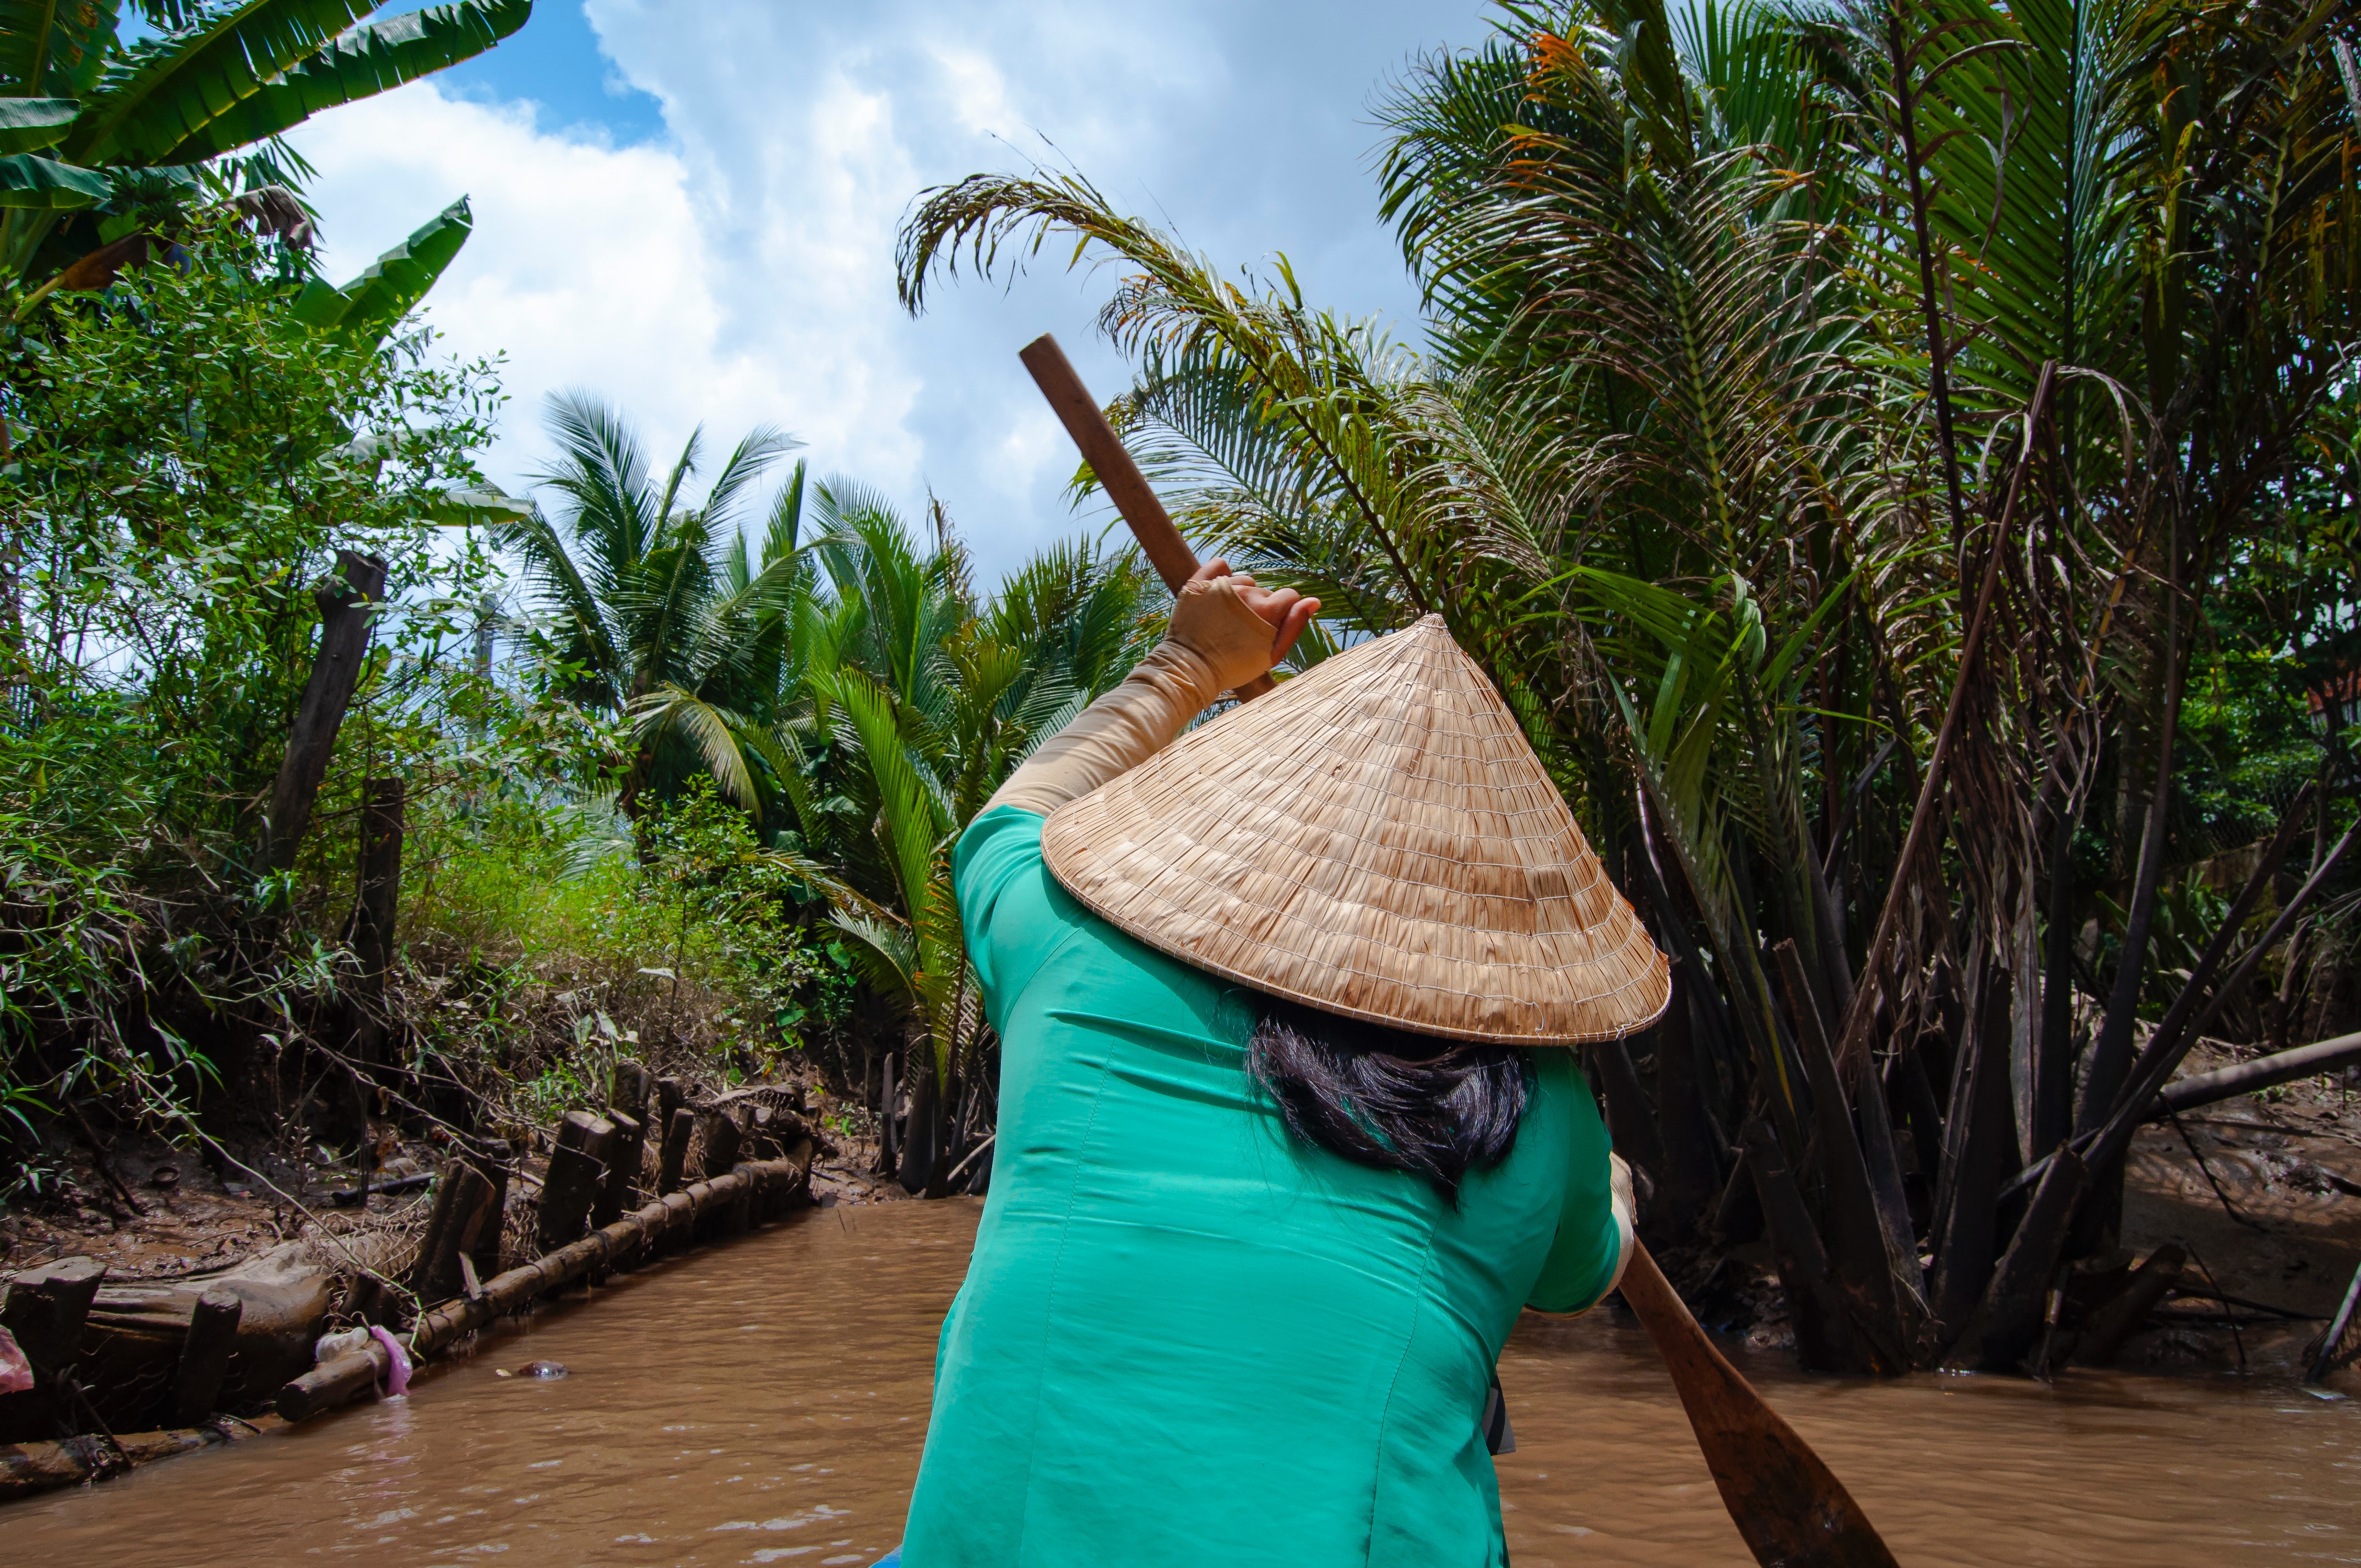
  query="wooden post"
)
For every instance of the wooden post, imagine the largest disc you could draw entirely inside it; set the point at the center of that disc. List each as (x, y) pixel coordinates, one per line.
(484, 1249)
(721, 1137)
(622, 1166)
(671, 1095)
(370, 932)
(346, 613)
(577, 1169)
(204, 1355)
(627, 1101)
(672, 1160)
(45, 1310)
(463, 1207)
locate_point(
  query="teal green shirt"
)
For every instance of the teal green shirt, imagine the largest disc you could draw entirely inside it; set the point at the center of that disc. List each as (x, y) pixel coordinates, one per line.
(1186, 1338)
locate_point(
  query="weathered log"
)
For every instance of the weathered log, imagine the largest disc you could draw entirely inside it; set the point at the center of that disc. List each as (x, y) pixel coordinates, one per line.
(672, 1160)
(27, 1468)
(462, 1209)
(2013, 1306)
(2106, 1328)
(204, 1355)
(671, 1095)
(346, 613)
(578, 1170)
(336, 1382)
(1824, 1338)
(2250, 1076)
(622, 1167)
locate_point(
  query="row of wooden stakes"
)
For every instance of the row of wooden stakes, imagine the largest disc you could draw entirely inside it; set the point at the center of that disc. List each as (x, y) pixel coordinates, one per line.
(719, 1170)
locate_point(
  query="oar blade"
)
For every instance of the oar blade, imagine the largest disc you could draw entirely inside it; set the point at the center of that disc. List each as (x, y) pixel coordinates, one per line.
(1788, 1506)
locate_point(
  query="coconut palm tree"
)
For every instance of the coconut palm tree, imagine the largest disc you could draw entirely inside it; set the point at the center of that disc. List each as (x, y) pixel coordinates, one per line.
(654, 609)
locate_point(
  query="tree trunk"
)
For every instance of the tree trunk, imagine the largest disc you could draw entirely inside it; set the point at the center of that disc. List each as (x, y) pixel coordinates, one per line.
(922, 1135)
(1692, 1171)
(1980, 1136)
(348, 611)
(370, 932)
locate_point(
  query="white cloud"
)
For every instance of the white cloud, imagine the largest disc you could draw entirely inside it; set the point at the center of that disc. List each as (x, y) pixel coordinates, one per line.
(741, 271)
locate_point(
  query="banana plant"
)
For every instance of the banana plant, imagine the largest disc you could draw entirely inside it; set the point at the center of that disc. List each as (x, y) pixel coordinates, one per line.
(100, 133)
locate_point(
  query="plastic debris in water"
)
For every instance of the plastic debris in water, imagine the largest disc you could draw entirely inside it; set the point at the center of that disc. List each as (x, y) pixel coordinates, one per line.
(396, 1378)
(535, 1369)
(344, 1341)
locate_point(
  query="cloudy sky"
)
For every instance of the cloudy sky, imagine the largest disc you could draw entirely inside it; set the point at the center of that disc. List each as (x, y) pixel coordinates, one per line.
(689, 207)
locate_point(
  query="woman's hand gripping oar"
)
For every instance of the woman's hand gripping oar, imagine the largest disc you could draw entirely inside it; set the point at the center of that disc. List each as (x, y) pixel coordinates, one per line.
(1790, 1510)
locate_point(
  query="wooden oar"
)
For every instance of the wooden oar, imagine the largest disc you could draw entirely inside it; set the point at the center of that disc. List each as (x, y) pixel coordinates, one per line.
(1117, 474)
(1789, 1507)
(1792, 1511)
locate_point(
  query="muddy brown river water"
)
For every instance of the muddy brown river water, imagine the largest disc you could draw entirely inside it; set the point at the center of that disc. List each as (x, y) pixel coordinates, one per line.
(764, 1402)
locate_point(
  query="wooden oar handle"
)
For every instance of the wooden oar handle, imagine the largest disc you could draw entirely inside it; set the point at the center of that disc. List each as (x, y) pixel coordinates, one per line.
(1117, 474)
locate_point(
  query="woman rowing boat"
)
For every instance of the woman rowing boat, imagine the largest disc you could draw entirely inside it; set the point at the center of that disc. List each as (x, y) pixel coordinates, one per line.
(1282, 1153)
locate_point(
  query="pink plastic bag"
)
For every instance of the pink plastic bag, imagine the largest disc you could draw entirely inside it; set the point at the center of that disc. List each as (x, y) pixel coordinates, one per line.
(16, 1372)
(396, 1382)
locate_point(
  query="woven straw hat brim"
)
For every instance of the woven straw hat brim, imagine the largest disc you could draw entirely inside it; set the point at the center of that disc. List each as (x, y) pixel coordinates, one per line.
(1374, 839)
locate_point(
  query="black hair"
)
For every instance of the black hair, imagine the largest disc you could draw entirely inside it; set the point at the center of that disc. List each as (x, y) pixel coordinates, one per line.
(1387, 1098)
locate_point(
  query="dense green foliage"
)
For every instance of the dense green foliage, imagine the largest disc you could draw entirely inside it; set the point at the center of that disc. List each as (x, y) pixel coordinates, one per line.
(1896, 458)
(185, 459)
(834, 675)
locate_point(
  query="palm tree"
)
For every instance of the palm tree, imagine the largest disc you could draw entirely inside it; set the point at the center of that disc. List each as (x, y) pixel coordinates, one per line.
(656, 611)
(909, 701)
(1831, 423)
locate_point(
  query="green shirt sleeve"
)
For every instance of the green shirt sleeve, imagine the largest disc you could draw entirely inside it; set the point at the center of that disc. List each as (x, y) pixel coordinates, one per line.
(1013, 913)
(1582, 1260)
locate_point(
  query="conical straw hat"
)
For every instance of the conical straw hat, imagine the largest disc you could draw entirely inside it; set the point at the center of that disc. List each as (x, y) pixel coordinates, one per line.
(1374, 839)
